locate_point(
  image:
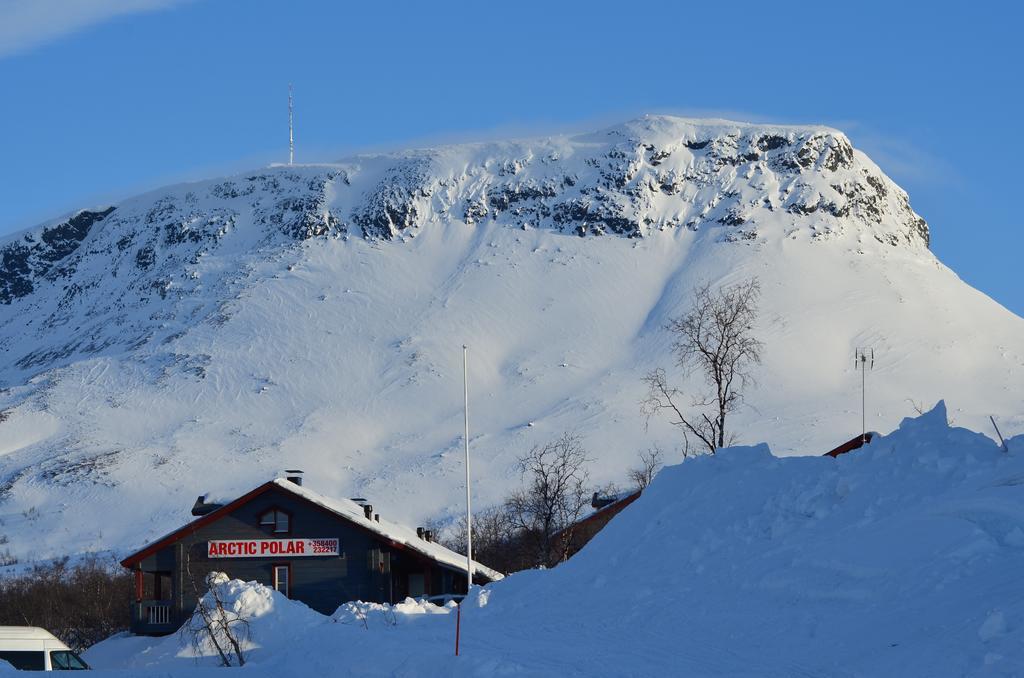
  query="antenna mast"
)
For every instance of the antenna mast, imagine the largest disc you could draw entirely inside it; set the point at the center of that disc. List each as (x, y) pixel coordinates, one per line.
(863, 360)
(291, 128)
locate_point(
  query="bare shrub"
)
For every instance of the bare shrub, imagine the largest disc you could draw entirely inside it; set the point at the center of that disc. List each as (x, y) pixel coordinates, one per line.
(650, 463)
(80, 604)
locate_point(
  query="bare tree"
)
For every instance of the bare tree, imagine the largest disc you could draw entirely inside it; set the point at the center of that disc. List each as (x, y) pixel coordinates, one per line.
(716, 338)
(554, 496)
(650, 464)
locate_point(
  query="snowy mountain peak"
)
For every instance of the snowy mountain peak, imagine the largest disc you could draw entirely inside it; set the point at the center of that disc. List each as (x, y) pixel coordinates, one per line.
(206, 335)
(736, 182)
(652, 173)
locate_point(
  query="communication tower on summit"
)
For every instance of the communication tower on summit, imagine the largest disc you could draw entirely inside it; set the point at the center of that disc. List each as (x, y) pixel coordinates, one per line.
(863, 360)
(291, 128)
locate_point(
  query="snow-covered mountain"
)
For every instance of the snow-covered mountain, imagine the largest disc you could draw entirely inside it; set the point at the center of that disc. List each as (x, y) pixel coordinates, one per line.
(204, 336)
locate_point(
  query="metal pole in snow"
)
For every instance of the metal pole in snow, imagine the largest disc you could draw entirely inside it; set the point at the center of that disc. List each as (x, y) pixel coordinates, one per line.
(458, 626)
(863, 400)
(860, 361)
(469, 512)
(1002, 442)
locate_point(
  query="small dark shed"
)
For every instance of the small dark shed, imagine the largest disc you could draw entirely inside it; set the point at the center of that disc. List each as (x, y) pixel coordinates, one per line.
(573, 538)
(850, 445)
(315, 549)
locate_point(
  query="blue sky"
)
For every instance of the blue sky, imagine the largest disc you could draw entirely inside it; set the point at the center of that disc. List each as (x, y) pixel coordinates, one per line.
(107, 98)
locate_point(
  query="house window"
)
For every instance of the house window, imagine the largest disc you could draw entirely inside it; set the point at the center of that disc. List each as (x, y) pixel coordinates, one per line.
(282, 579)
(277, 520)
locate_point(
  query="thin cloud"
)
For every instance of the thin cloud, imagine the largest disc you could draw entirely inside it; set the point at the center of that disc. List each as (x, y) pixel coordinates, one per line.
(900, 158)
(26, 24)
(538, 127)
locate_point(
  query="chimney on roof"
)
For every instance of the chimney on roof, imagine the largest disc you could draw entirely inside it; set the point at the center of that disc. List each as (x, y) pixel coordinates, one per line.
(428, 535)
(419, 532)
(201, 508)
(368, 511)
(376, 516)
(294, 475)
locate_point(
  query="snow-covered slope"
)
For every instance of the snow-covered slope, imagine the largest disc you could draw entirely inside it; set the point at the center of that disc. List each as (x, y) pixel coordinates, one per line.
(902, 558)
(203, 337)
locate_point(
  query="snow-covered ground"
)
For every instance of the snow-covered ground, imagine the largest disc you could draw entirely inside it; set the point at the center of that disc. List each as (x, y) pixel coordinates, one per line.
(203, 337)
(903, 558)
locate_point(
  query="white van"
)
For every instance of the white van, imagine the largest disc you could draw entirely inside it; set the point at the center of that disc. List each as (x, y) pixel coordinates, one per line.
(30, 648)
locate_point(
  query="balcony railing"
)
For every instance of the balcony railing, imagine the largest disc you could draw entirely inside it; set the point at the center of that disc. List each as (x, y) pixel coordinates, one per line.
(159, 614)
(152, 617)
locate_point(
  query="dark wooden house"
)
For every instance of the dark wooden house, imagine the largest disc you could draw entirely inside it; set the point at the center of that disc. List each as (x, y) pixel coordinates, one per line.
(315, 549)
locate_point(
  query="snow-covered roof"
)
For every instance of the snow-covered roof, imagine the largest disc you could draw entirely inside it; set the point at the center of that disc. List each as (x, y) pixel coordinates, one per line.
(345, 508)
(353, 512)
(613, 501)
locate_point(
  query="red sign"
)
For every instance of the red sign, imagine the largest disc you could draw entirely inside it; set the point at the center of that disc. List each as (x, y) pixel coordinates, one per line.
(271, 548)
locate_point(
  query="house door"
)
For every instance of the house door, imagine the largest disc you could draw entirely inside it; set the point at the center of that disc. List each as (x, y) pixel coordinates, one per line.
(283, 579)
(417, 585)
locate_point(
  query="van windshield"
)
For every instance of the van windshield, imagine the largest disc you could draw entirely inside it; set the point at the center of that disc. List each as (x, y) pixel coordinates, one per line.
(25, 660)
(63, 660)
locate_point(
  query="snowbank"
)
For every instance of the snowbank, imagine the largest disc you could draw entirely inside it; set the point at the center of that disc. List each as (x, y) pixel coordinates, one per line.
(897, 559)
(271, 617)
(900, 559)
(280, 632)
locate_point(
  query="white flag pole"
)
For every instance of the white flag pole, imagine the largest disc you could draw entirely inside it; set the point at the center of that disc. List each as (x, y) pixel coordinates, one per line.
(469, 512)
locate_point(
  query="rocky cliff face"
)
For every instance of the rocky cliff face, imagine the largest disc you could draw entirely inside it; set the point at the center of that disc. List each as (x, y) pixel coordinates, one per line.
(108, 278)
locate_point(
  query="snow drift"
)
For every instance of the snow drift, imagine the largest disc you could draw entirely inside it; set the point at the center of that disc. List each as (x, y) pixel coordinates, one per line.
(900, 559)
